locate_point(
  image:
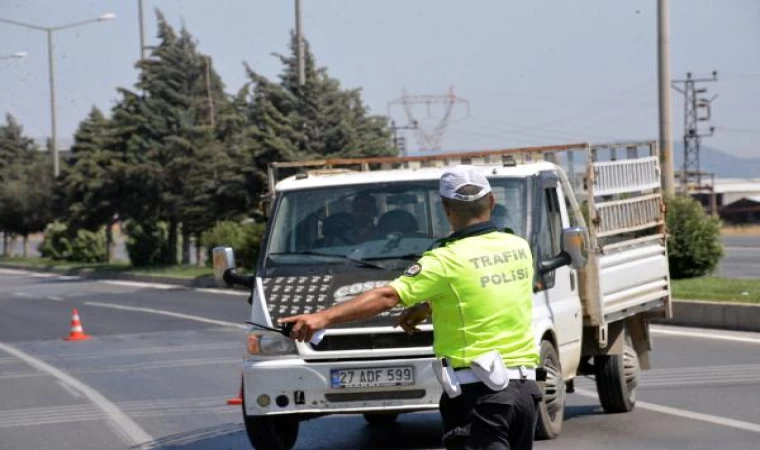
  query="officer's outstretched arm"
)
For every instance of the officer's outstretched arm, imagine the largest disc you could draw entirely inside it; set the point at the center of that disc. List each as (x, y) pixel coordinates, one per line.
(413, 316)
(369, 304)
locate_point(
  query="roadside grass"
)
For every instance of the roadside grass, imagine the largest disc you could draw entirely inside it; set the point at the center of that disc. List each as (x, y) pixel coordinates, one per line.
(717, 289)
(740, 230)
(179, 271)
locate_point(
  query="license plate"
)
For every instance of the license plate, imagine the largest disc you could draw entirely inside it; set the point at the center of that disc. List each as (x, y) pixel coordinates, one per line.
(372, 377)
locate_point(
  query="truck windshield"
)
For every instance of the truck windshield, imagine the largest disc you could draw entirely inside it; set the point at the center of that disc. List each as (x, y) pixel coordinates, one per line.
(388, 223)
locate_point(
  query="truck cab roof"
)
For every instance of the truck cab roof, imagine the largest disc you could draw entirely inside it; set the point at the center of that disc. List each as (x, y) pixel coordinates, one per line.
(322, 178)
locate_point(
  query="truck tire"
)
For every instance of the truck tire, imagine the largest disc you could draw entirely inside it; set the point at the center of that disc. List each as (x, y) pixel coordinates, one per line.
(278, 432)
(551, 409)
(617, 377)
(380, 419)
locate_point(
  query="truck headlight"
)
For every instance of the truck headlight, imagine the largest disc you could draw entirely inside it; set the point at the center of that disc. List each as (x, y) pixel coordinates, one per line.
(269, 344)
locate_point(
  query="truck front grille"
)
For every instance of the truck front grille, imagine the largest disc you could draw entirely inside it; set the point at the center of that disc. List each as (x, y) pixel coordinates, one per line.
(372, 341)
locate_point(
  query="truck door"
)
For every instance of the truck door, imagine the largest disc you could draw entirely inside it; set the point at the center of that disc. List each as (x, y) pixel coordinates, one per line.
(556, 293)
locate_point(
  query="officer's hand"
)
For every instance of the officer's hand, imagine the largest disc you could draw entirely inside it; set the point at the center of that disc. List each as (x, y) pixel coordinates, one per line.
(305, 325)
(411, 317)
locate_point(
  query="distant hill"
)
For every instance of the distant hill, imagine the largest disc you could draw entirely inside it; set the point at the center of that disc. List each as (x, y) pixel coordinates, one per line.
(724, 165)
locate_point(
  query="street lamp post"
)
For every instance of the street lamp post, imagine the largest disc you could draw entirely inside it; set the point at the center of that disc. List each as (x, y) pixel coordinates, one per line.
(16, 55)
(51, 71)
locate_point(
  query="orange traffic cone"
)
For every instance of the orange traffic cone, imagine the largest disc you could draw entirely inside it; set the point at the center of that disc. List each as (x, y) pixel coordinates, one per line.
(77, 333)
(239, 399)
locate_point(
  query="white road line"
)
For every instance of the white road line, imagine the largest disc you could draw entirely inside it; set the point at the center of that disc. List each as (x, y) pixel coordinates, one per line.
(22, 294)
(119, 422)
(69, 277)
(709, 418)
(712, 334)
(170, 314)
(224, 291)
(140, 284)
(14, 272)
(68, 389)
(55, 298)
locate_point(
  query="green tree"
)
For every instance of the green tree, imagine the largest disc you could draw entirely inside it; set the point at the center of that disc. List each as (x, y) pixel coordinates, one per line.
(26, 197)
(694, 247)
(26, 184)
(289, 122)
(174, 164)
(90, 182)
(14, 145)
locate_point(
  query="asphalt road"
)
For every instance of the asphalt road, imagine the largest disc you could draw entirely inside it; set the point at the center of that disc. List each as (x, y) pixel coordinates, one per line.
(742, 257)
(163, 362)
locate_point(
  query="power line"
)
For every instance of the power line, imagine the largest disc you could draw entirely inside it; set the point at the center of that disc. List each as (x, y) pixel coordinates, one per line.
(738, 130)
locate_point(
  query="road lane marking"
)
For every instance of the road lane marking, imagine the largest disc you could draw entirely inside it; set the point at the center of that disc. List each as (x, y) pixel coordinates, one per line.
(14, 272)
(69, 277)
(140, 284)
(55, 298)
(223, 291)
(68, 389)
(709, 418)
(712, 334)
(170, 314)
(119, 422)
(22, 294)
(88, 412)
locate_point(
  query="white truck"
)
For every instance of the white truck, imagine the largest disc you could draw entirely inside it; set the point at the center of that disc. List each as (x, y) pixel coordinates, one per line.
(592, 321)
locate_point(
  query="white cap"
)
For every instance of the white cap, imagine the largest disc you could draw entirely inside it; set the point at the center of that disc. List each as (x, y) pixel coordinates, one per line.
(457, 177)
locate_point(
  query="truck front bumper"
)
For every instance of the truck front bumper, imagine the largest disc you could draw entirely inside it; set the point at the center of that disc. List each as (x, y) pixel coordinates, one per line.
(287, 386)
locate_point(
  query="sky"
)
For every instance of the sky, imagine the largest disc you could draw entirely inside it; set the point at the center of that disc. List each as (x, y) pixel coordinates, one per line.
(532, 72)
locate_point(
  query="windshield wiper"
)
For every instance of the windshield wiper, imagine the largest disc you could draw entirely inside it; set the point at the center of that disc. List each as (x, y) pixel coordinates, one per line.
(408, 256)
(359, 262)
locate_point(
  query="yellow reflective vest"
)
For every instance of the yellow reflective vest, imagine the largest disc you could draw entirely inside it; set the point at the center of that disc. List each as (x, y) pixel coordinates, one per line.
(481, 292)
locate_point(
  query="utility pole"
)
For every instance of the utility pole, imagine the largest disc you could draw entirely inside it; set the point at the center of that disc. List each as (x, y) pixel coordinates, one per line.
(142, 29)
(299, 44)
(666, 109)
(211, 113)
(51, 72)
(692, 137)
(430, 140)
(51, 81)
(399, 142)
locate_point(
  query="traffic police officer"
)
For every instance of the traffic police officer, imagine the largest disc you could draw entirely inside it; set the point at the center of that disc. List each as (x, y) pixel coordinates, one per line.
(478, 285)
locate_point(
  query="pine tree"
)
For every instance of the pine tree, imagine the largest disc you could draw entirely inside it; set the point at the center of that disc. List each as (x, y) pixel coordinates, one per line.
(14, 146)
(26, 184)
(90, 182)
(174, 164)
(319, 119)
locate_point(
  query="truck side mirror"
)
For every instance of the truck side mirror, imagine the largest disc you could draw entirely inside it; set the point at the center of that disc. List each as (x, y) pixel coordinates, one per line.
(224, 269)
(574, 244)
(573, 252)
(224, 260)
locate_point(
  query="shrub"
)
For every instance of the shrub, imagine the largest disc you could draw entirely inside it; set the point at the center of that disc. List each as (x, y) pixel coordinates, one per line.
(244, 239)
(694, 247)
(249, 251)
(88, 246)
(147, 243)
(56, 243)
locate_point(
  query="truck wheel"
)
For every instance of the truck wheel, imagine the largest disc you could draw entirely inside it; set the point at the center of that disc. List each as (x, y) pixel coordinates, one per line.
(380, 419)
(617, 377)
(551, 410)
(271, 432)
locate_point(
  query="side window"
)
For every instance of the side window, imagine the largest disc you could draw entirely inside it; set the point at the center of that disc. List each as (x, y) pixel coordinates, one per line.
(549, 234)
